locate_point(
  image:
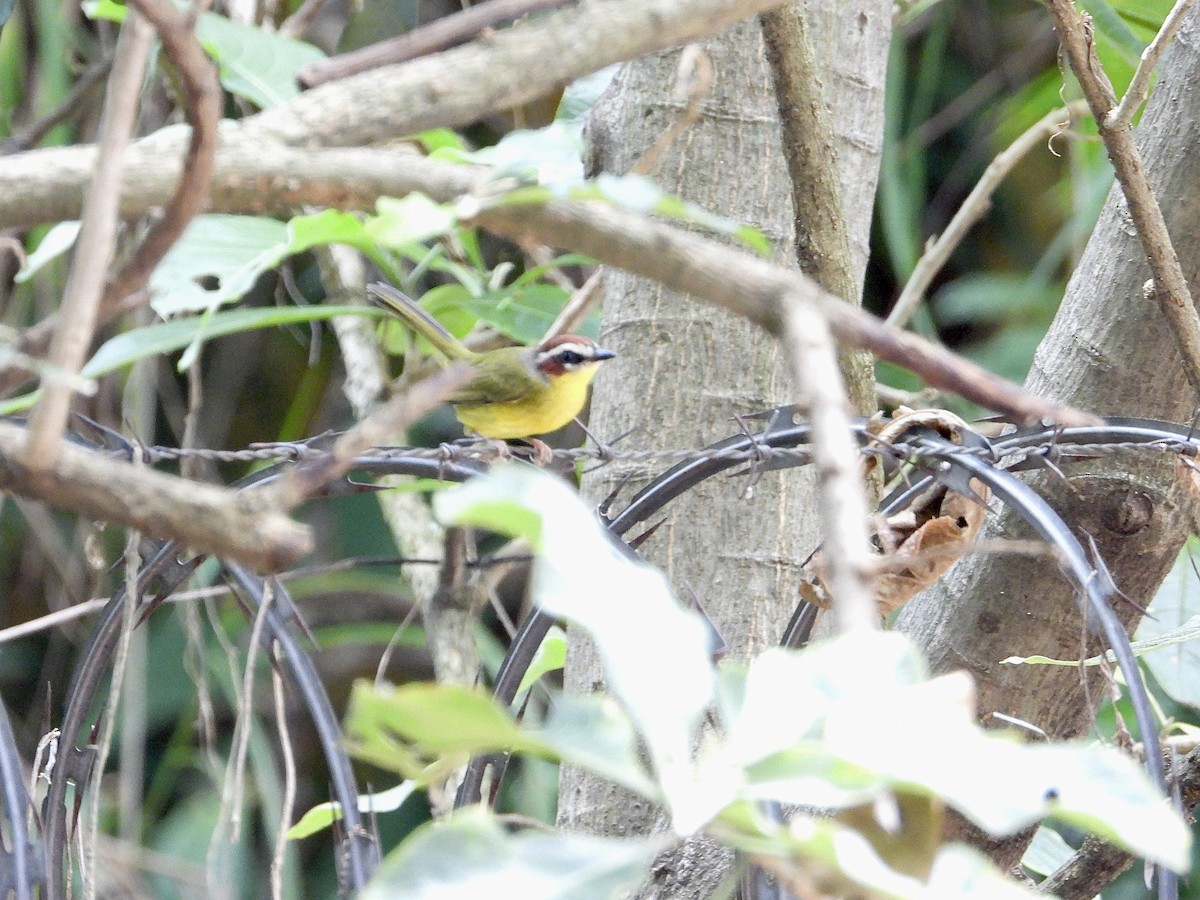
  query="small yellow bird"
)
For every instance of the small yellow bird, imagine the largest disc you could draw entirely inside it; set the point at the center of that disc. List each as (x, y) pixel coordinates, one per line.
(516, 392)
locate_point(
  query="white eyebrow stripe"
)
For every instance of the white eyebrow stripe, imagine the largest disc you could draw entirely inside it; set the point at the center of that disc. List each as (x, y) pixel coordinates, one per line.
(584, 350)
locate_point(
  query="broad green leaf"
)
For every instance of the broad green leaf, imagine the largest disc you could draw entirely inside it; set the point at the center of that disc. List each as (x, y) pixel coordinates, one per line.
(395, 726)
(471, 855)
(255, 64)
(323, 815)
(225, 251)
(1173, 622)
(581, 574)
(523, 312)
(230, 253)
(786, 694)
(177, 334)
(57, 241)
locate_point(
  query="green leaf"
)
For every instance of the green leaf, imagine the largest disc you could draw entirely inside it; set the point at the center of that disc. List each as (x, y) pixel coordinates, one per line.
(522, 312)
(581, 575)
(411, 220)
(177, 334)
(551, 156)
(167, 337)
(395, 726)
(255, 64)
(550, 657)
(581, 95)
(231, 252)
(323, 815)
(1173, 622)
(57, 241)
(591, 731)
(471, 855)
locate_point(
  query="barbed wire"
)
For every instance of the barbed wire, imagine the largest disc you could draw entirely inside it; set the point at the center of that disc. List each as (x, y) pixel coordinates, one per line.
(488, 451)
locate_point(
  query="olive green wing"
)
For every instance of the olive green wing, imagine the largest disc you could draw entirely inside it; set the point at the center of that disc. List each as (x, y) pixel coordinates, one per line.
(502, 377)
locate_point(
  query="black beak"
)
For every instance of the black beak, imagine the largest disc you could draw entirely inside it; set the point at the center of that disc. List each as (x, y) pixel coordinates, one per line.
(600, 353)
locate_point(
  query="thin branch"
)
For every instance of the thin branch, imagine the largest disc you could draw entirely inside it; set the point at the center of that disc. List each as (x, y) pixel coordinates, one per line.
(1172, 293)
(843, 501)
(448, 31)
(83, 86)
(757, 290)
(515, 65)
(288, 755)
(202, 111)
(1139, 86)
(974, 208)
(95, 246)
(207, 518)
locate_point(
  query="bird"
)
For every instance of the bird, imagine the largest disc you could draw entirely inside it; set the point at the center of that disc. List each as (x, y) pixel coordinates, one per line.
(514, 392)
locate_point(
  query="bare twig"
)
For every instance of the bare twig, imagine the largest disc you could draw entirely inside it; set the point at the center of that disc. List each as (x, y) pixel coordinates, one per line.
(94, 249)
(1139, 86)
(843, 501)
(1174, 297)
(83, 86)
(973, 208)
(288, 755)
(202, 111)
(447, 31)
(210, 519)
(577, 307)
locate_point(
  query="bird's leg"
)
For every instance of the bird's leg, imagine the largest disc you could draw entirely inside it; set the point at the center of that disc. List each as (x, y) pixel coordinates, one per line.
(542, 454)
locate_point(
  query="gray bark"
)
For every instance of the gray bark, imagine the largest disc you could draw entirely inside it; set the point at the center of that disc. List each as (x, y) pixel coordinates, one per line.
(683, 370)
(1108, 350)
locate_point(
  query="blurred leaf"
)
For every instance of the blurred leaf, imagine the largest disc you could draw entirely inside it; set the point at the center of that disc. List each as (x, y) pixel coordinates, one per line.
(995, 297)
(57, 241)
(1173, 617)
(167, 337)
(522, 312)
(436, 140)
(1046, 852)
(410, 220)
(581, 95)
(580, 574)
(640, 194)
(550, 156)
(593, 732)
(6, 9)
(254, 63)
(471, 855)
(550, 657)
(1092, 787)
(323, 815)
(402, 728)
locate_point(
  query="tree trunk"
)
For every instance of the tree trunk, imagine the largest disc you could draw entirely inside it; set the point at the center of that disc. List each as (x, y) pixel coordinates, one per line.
(684, 371)
(1109, 350)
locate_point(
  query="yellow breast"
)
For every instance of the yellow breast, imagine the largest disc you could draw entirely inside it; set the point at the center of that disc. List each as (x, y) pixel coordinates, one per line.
(547, 408)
